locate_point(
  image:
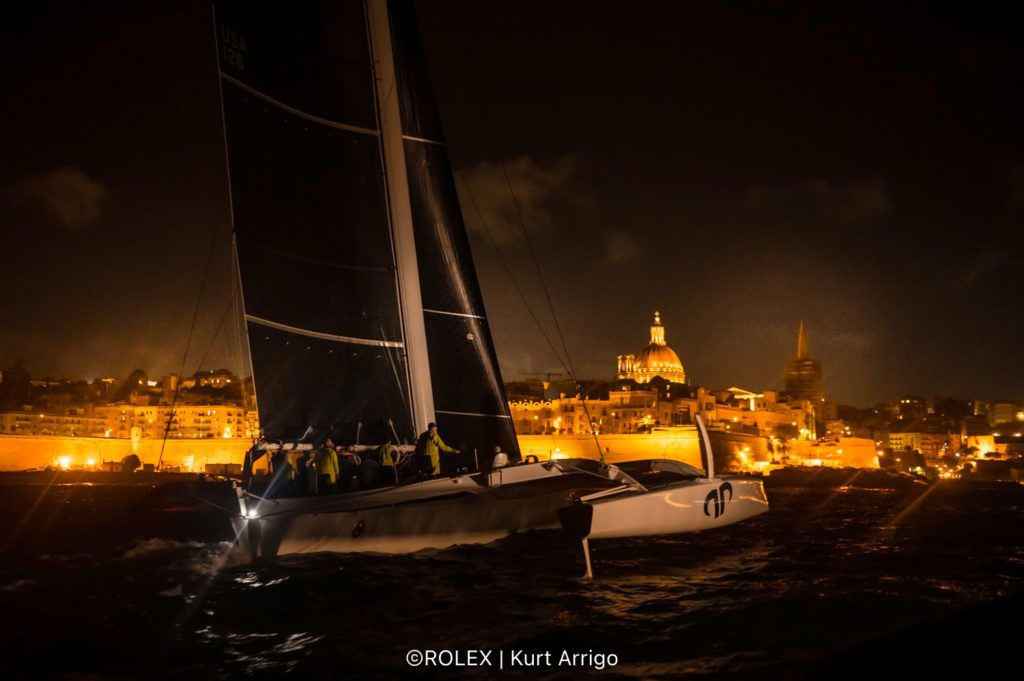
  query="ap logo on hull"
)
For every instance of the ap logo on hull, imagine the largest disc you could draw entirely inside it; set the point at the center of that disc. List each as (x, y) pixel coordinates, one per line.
(717, 499)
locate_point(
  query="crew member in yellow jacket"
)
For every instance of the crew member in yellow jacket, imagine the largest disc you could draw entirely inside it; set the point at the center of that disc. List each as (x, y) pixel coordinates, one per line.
(429, 447)
(326, 464)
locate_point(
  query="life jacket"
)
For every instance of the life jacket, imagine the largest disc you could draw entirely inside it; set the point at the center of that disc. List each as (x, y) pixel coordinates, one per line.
(385, 456)
(327, 463)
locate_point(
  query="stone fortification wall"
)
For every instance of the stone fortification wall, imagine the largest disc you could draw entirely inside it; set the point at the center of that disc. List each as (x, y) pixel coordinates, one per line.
(20, 452)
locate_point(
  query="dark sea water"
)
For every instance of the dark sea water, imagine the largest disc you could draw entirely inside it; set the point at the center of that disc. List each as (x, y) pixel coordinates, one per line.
(831, 582)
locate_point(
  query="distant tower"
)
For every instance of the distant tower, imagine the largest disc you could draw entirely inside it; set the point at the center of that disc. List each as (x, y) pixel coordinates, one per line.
(657, 359)
(803, 374)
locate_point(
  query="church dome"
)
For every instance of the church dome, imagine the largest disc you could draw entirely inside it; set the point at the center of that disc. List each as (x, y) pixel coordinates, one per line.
(657, 359)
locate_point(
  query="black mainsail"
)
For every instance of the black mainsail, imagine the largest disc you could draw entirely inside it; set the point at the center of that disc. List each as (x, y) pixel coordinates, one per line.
(362, 307)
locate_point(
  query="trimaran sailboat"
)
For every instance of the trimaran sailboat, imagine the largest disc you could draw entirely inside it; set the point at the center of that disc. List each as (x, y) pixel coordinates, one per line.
(362, 308)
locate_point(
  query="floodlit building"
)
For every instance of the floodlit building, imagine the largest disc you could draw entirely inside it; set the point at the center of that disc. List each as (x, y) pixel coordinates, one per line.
(657, 359)
(802, 375)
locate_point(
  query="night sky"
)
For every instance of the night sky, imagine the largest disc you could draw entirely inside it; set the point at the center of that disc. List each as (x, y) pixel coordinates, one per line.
(738, 167)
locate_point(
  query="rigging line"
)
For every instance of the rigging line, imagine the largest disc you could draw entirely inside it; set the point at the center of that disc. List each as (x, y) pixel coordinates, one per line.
(551, 309)
(202, 500)
(188, 344)
(244, 350)
(540, 275)
(489, 112)
(508, 271)
(398, 381)
(240, 347)
(567, 364)
(216, 334)
(398, 440)
(245, 347)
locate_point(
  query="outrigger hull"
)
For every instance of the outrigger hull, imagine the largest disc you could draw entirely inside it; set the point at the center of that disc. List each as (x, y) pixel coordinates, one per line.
(686, 506)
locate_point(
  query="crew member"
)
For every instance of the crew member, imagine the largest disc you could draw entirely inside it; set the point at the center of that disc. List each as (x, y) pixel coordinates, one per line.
(428, 450)
(326, 463)
(305, 475)
(349, 464)
(387, 474)
(283, 482)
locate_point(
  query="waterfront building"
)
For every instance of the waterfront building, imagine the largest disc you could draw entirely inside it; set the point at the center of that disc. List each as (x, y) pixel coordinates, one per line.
(136, 408)
(631, 408)
(191, 421)
(931, 445)
(1001, 412)
(133, 421)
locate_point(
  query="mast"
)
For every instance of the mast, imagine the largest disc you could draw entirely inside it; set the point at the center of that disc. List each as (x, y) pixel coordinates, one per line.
(397, 182)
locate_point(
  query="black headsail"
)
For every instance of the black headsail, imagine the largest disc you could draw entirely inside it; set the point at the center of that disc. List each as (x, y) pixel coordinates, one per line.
(361, 302)
(469, 397)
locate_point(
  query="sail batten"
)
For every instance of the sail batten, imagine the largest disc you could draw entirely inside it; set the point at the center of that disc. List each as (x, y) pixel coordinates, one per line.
(410, 138)
(454, 314)
(297, 112)
(318, 261)
(323, 336)
(463, 413)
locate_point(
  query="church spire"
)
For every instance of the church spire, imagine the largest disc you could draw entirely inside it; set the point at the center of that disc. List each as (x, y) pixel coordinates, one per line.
(657, 331)
(801, 342)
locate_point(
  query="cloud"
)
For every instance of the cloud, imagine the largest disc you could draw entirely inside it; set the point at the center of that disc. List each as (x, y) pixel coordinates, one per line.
(66, 195)
(486, 193)
(621, 247)
(989, 262)
(844, 204)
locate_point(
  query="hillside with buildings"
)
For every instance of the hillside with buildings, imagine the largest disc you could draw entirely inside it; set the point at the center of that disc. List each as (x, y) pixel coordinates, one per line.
(647, 409)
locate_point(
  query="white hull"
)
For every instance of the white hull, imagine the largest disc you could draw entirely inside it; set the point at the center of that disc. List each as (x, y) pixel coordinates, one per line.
(665, 497)
(467, 509)
(481, 508)
(689, 506)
